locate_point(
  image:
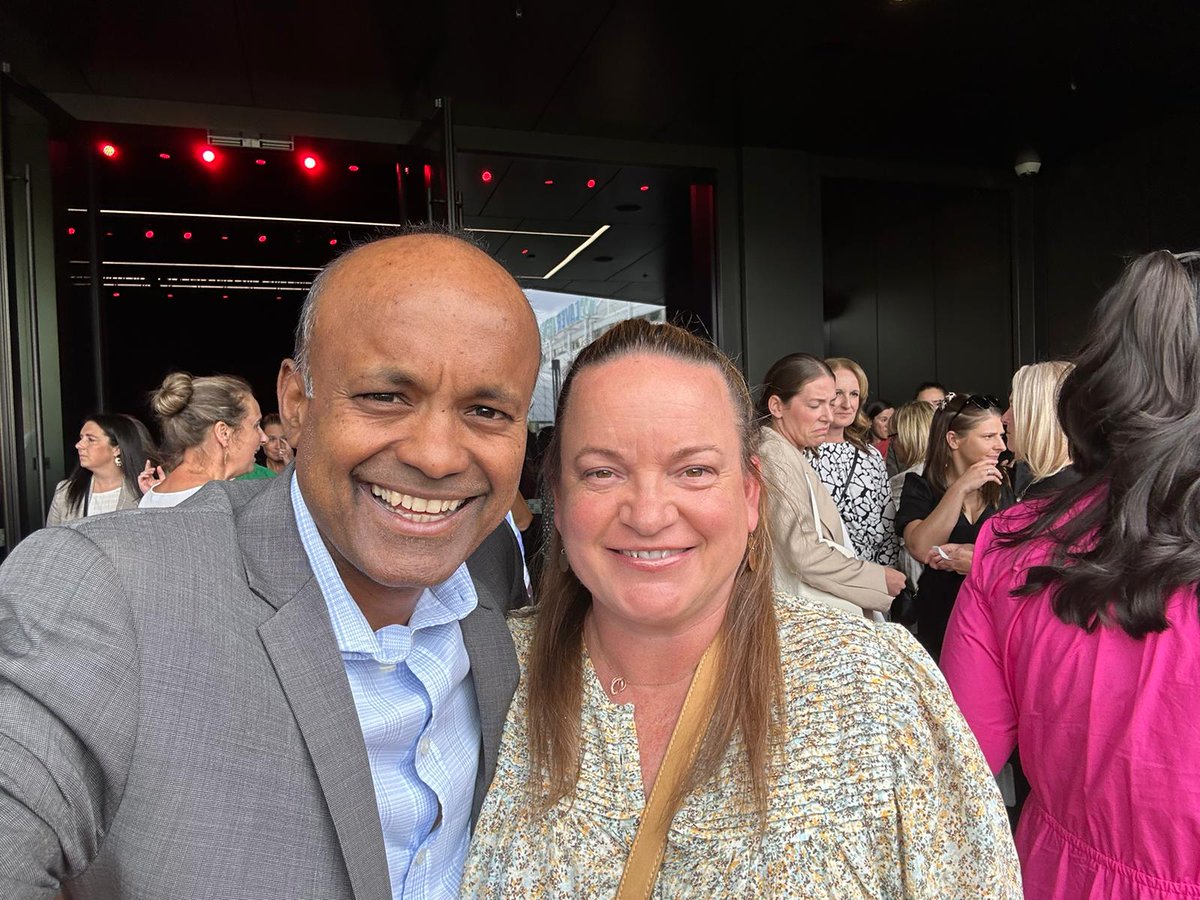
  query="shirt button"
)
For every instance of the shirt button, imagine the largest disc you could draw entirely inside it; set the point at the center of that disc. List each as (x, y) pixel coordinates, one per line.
(387, 667)
(424, 746)
(419, 859)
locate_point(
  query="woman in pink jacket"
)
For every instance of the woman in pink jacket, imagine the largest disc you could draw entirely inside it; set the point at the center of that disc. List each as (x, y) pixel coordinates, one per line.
(1076, 635)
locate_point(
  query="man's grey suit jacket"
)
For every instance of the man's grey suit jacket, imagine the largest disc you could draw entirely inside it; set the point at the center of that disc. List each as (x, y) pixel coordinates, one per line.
(175, 718)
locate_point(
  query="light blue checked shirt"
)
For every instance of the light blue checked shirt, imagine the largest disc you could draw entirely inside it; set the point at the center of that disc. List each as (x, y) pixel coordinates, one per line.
(416, 705)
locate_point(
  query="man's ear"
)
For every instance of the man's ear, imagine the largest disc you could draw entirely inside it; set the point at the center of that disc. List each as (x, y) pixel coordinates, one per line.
(293, 401)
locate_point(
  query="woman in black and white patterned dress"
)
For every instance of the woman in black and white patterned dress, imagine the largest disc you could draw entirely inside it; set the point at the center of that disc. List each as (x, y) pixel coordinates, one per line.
(853, 471)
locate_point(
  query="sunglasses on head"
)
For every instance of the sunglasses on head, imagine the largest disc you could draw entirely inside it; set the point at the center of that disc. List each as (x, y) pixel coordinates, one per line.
(984, 402)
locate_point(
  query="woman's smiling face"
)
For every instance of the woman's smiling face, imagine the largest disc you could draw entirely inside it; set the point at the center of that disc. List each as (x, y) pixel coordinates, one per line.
(654, 505)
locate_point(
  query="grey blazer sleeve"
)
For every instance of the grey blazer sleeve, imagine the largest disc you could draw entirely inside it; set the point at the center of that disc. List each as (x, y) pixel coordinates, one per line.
(68, 701)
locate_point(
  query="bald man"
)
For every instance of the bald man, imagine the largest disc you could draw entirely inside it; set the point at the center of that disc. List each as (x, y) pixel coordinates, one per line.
(292, 688)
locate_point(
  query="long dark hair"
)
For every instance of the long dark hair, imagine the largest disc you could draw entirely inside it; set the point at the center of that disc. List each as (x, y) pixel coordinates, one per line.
(1131, 412)
(749, 711)
(131, 439)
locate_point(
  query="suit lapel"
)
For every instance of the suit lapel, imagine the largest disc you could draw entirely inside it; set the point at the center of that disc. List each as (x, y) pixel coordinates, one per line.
(300, 642)
(494, 669)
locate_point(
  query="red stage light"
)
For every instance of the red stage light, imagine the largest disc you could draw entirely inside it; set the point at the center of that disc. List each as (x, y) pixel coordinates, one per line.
(164, 156)
(224, 237)
(486, 176)
(644, 187)
(70, 231)
(406, 170)
(525, 251)
(149, 234)
(209, 155)
(187, 235)
(591, 182)
(262, 238)
(260, 162)
(170, 296)
(116, 293)
(309, 162)
(549, 181)
(109, 150)
(224, 296)
(333, 242)
(352, 168)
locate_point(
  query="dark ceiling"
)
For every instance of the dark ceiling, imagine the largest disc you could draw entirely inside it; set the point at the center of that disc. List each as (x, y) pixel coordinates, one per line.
(961, 81)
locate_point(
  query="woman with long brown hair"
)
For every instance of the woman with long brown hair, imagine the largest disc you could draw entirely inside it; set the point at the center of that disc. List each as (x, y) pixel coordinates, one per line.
(943, 508)
(679, 725)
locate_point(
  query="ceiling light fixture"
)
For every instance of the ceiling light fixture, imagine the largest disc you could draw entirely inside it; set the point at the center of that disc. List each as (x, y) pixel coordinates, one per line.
(109, 150)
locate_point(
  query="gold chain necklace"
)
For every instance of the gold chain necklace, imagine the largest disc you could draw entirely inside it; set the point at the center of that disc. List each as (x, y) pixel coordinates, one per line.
(618, 684)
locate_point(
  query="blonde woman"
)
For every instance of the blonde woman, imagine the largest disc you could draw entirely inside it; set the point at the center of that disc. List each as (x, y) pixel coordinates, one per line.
(853, 471)
(210, 432)
(910, 438)
(1034, 434)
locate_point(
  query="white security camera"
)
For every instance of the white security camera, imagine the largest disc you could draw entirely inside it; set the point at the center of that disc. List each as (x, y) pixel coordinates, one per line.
(1027, 162)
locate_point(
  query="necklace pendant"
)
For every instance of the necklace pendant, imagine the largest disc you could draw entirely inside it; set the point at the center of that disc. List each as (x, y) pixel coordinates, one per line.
(616, 686)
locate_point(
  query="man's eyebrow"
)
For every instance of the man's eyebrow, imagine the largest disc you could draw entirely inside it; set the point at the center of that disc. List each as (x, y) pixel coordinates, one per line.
(497, 395)
(400, 378)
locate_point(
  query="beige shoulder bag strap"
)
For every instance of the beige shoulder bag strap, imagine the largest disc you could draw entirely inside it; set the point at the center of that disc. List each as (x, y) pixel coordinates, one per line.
(645, 857)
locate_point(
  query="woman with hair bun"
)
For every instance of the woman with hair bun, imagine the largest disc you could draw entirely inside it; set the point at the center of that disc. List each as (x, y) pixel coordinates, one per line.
(210, 432)
(1076, 636)
(112, 449)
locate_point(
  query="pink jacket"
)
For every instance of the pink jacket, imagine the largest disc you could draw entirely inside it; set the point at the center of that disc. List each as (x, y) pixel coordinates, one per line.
(1108, 728)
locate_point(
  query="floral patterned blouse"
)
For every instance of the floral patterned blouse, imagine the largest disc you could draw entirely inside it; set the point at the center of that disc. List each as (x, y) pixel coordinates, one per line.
(863, 500)
(884, 792)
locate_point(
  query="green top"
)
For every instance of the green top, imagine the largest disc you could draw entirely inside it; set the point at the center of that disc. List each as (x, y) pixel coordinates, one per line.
(257, 472)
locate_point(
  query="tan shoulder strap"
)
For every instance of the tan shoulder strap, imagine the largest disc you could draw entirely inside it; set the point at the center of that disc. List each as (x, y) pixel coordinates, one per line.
(645, 857)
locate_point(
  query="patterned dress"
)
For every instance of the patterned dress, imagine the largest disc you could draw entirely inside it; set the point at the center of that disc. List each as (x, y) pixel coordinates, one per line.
(883, 792)
(863, 501)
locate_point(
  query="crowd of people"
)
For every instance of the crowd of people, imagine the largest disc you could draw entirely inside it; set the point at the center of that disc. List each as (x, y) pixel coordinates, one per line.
(781, 640)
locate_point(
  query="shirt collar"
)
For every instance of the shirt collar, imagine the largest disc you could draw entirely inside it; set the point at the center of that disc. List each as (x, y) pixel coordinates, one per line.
(452, 600)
